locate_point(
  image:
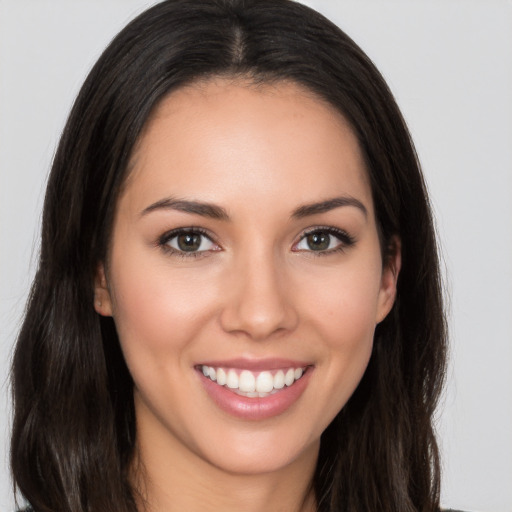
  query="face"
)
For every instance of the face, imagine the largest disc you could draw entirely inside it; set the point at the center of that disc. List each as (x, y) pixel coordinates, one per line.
(245, 275)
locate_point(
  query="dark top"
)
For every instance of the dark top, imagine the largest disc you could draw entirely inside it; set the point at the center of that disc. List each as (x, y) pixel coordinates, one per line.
(30, 509)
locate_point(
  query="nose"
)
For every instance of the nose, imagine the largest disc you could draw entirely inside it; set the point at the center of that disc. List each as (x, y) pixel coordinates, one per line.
(258, 302)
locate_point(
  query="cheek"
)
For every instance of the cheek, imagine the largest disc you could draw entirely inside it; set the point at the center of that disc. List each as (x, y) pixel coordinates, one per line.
(345, 302)
(342, 311)
(155, 310)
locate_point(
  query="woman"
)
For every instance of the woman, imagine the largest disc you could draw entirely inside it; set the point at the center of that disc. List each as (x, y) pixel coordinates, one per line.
(237, 304)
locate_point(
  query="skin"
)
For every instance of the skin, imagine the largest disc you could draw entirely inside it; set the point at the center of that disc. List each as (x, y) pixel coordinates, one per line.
(258, 290)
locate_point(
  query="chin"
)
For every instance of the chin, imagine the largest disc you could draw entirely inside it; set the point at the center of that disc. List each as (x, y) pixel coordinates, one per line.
(261, 463)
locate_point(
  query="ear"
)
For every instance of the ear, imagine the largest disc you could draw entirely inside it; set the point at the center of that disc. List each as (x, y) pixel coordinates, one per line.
(102, 298)
(390, 271)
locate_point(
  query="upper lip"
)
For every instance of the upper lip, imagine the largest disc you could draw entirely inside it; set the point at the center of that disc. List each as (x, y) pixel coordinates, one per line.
(255, 364)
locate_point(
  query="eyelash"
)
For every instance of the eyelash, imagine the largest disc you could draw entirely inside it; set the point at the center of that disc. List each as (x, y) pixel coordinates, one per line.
(344, 238)
(163, 241)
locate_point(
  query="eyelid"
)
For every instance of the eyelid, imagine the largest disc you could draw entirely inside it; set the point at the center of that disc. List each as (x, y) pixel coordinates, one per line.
(163, 241)
(346, 240)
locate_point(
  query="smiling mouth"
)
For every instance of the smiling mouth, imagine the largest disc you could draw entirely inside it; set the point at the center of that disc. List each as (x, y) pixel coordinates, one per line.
(253, 384)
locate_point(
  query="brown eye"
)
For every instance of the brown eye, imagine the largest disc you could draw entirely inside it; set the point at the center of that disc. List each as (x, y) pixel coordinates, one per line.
(318, 241)
(324, 241)
(188, 241)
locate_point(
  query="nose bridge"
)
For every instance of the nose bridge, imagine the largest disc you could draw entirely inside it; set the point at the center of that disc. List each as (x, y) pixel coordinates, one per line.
(259, 304)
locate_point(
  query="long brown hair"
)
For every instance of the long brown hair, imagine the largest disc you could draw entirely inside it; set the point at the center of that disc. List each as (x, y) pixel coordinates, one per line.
(74, 430)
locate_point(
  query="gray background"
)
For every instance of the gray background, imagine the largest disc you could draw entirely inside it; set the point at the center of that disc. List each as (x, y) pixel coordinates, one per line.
(449, 63)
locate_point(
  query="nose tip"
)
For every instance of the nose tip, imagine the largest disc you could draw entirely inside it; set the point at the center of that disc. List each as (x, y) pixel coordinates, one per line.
(258, 305)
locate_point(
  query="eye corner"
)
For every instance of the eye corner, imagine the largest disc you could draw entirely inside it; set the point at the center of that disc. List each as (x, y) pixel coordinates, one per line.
(198, 242)
(323, 237)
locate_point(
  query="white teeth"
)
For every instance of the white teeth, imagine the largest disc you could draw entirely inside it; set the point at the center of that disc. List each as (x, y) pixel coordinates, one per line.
(264, 382)
(279, 380)
(221, 377)
(246, 383)
(232, 380)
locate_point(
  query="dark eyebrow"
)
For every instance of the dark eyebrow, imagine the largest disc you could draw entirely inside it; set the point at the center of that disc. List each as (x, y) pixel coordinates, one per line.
(217, 212)
(328, 205)
(196, 207)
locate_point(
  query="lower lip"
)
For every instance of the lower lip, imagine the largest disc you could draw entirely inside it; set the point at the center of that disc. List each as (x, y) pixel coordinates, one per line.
(255, 408)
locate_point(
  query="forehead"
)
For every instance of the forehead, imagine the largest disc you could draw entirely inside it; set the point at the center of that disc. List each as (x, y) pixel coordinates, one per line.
(222, 138)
